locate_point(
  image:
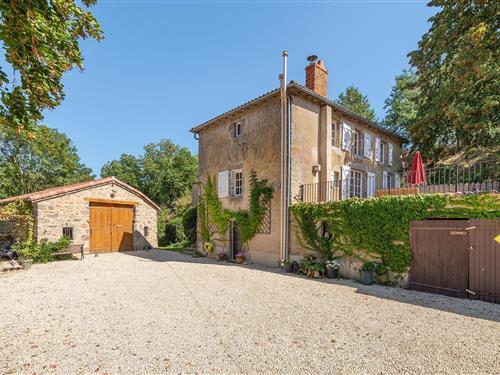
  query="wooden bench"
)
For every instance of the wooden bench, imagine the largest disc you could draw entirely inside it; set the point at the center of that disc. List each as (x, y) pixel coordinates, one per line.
(72, 249)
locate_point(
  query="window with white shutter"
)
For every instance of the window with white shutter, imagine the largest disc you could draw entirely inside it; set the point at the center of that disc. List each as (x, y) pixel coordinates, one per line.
(370, 184)
(368, 146)
(385, 180)
(345, 181)
(346, 137)
(389, 153)
(377, 149)
(223, 184)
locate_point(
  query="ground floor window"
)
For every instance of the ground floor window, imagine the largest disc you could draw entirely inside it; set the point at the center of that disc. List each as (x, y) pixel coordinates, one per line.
(355, 184)
(68, 232)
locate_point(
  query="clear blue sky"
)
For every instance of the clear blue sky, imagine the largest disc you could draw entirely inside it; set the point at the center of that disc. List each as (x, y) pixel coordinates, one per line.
(166, 66)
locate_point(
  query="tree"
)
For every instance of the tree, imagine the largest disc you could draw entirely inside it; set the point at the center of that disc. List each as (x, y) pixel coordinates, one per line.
(40, 38)
(42, 159)
(165, 172)
(127, 169)
(457, 64)
(401, 106)
(355, 101)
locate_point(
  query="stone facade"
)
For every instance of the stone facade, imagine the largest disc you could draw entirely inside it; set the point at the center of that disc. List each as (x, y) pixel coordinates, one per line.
(314, 157)
(72, 210)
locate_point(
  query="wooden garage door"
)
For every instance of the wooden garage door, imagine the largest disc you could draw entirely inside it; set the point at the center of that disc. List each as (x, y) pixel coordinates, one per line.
(111, 227)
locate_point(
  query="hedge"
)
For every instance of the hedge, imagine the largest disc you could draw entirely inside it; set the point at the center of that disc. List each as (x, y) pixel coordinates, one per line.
(379, 227)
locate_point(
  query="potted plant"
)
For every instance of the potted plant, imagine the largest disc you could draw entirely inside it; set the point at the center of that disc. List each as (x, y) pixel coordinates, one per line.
(367, 272)
(239, 257)
(23, 251)
(222, 256)
(332, 269)
(311, 267)
(287, 265)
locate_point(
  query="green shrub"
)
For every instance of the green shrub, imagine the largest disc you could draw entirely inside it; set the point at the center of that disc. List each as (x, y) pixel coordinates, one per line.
(189, 221)
(40, 252)
(174, 231)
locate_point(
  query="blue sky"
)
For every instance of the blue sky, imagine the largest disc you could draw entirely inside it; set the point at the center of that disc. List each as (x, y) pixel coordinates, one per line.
(166, 66)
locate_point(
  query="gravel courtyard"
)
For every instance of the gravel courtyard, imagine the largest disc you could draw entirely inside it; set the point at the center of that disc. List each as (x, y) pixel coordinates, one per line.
(159, 311)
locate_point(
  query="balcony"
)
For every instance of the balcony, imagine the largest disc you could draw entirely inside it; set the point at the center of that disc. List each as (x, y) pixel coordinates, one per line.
(478, 177)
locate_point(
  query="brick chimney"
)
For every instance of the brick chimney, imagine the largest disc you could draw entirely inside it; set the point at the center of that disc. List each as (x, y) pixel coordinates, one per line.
(317, 76)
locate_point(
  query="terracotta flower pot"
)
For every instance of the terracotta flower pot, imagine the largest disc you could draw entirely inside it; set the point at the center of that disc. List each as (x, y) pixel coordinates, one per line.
(239, 260)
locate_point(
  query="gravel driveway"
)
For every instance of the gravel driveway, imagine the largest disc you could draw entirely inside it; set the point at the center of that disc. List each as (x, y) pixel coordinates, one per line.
(159, 311)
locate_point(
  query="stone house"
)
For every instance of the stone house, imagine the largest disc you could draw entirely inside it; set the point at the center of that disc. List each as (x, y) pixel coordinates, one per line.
(334, 153)
(105, 215)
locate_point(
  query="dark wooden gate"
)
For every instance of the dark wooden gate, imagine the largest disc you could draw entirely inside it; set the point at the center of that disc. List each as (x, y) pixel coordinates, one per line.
(440, 262)
(459, 258)
(484, 261)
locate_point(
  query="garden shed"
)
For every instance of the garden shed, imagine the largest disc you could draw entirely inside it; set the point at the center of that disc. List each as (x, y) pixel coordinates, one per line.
(105, 215)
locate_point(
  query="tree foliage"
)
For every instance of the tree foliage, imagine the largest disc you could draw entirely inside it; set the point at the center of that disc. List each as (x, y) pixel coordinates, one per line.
(40, 38)
(457, 64)
(165, 172)
(42, 159)
(355, 101)
(401, 106)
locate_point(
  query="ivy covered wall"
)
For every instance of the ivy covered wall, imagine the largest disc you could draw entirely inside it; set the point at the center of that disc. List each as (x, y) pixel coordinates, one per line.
(379, 228)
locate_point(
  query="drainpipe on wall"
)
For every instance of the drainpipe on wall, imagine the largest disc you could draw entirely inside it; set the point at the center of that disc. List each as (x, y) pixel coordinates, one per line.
(284, 163)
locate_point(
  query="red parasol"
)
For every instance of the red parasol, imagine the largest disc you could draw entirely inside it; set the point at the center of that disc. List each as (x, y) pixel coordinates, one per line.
(417, 172)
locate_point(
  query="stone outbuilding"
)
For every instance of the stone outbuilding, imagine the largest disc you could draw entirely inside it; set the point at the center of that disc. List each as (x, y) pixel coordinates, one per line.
(105, 215)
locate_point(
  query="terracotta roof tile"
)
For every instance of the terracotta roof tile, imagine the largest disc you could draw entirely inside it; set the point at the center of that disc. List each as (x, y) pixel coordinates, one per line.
(65, 189)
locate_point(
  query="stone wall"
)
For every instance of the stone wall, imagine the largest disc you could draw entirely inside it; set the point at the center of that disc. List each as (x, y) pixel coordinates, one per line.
(72, 210)
(258, 148)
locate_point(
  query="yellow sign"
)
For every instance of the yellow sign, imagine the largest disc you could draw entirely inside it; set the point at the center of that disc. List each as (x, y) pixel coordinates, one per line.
(497, 238)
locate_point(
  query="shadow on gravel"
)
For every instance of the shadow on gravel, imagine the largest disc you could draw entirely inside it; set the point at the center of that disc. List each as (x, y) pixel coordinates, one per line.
(471, 308)
(465, 307)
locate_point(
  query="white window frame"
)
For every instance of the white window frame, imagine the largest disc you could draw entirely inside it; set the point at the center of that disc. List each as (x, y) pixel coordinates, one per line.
(381, 156)
(367, 146)
(389, 153)
(370, 184)
(355, 189)
(346, 137)
(237, 188)
(357, 143)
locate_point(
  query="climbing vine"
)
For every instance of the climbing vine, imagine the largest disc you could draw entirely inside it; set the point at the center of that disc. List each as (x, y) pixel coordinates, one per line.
(379, 228)
(19, 215)
(249, 221)
(215, 219)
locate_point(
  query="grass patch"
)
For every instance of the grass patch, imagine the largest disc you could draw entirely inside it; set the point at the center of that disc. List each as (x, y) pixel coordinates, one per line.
(178, 246)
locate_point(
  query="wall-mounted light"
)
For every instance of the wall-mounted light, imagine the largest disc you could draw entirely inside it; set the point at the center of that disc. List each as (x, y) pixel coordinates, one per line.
(316, 169)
